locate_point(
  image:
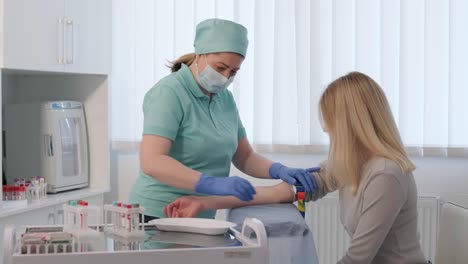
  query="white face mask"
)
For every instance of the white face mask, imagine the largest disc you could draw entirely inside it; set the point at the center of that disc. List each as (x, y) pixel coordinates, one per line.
(211, 80)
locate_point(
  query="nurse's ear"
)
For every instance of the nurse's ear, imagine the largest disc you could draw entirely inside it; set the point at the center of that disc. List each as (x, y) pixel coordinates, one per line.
(200, 62)
(196, 60)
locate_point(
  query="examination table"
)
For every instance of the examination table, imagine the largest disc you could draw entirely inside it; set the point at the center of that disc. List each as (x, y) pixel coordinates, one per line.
(289, 238)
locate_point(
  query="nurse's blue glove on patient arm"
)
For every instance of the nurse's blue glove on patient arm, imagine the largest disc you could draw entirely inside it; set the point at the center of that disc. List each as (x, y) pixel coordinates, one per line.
(226, 186)
(294, 176)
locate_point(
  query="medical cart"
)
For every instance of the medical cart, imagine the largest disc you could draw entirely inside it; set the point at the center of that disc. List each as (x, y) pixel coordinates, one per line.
(247, 246)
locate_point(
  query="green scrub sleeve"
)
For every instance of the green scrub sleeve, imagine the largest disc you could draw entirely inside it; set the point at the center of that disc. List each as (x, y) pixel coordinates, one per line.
(241, 130)
(162, 113)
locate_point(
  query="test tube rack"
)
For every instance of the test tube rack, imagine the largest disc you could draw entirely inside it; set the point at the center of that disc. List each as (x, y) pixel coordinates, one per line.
(35, 188)
(45, 243)
(127, 243)
(75, 220)
(124, 221)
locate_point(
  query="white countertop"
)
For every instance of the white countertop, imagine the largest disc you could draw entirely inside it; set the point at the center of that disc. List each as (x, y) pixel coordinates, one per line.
(51, 200)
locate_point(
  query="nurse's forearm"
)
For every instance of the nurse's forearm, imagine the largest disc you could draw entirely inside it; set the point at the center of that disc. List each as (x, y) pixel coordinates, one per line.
(171, 172)
(256, 166)
(249, 162)
(280, 193)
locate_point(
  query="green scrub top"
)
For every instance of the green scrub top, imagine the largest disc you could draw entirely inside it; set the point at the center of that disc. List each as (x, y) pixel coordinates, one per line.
(204, 134)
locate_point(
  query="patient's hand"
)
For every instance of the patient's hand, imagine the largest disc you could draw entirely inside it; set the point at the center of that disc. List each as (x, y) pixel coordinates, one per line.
(187, 206)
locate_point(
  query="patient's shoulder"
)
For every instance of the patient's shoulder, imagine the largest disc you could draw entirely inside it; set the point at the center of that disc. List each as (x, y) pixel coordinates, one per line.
(383, 167)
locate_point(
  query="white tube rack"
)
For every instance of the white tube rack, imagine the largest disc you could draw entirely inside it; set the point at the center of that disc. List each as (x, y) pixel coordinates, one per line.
(75, 220)
(125, 222)
(32, 249)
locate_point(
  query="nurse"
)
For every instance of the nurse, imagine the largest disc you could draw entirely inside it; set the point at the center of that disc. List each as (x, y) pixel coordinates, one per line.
(192, 130)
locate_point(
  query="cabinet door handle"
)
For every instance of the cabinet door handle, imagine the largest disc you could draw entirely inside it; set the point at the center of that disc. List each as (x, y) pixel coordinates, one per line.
(60, 219)
(70, 32)
(51, 219)
(60, 40)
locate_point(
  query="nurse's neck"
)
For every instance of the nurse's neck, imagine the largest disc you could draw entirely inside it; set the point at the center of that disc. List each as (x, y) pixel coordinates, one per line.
(206, 92)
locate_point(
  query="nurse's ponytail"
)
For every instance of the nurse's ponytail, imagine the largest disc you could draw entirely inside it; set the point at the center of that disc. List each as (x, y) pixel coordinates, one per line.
(186, 59)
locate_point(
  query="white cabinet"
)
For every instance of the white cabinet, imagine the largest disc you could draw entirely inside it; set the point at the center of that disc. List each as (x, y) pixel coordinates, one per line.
(30, 34)
(88, 24)
(56, 35)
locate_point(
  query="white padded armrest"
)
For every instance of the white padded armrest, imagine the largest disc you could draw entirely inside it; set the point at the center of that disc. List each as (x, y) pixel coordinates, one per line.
(453, 235)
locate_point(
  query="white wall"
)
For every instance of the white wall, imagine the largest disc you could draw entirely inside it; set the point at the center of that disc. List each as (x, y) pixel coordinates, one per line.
(124, 166)
(444, 177)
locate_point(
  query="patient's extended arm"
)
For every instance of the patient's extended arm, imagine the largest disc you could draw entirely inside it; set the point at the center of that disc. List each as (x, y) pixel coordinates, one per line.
(191, 206)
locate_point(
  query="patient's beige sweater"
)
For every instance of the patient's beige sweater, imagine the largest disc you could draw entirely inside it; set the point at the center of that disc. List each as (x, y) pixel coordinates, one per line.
(381, 218)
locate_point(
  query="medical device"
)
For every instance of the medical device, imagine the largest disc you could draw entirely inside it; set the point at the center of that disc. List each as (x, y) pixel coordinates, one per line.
(48, 139)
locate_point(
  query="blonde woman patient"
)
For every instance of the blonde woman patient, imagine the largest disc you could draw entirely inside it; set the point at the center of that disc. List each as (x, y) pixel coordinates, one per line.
(368, 166)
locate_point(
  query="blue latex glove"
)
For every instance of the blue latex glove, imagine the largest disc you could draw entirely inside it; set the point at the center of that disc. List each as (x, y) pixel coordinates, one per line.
(294, 176)
(226, 186)
(313, 169)
(300, 187)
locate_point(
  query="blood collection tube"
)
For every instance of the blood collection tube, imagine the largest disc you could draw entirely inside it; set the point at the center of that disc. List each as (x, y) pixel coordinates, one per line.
(83, 215)
(10, 193)
(300, 197)
(35, 189)
(72, 217)
(42, 187)
(118, 219)
(129, 218)
(4, 192)
(28, 190)
(114, 216)
(301, 203)
(22, 192)
(15, 192)
(123, 217)
(136, 217)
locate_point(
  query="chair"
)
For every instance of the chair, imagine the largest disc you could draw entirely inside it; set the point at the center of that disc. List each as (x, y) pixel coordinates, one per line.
(453, 235)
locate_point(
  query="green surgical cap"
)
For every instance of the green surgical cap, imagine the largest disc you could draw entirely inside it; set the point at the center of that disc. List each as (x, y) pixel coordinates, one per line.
(217, 35)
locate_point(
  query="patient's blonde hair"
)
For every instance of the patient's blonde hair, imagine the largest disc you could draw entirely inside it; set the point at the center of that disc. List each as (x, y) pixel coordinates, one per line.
(360, 123)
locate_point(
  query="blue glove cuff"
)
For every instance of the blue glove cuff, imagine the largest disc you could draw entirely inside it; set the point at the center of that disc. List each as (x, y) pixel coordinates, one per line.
(203, 183)
(274, 170)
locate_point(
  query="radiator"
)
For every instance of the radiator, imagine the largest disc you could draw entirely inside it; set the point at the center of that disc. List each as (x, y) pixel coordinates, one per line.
(332, 241)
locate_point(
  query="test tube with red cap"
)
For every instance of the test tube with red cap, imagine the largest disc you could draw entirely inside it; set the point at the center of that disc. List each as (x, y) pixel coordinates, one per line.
(118, 219)
(300, 197)
(22, 192)
(129, 220)
(83, 215)
(136, 217)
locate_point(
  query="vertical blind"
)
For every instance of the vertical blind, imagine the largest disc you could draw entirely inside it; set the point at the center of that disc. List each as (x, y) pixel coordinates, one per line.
(416, 50)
